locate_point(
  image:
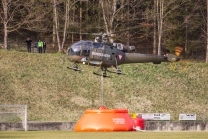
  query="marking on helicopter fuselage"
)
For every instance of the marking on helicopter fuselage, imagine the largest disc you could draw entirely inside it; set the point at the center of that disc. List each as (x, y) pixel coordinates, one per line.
(120, 57)
(100, 54)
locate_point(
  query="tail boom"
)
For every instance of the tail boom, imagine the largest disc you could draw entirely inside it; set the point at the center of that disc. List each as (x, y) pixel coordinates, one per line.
(144, 58)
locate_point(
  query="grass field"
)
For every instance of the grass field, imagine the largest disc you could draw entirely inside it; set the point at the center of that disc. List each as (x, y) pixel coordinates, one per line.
(102, 135)
(54, 93)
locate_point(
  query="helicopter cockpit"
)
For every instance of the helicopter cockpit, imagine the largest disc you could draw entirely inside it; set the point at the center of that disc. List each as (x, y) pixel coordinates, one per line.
(83, 48)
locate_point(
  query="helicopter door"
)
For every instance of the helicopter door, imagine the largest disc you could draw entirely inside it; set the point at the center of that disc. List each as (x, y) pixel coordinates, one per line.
(86, 49)
(96, 54)
(109, 56)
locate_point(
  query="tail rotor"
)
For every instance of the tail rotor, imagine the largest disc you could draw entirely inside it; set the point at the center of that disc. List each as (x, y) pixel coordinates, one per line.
(178, 50)
(180, 66)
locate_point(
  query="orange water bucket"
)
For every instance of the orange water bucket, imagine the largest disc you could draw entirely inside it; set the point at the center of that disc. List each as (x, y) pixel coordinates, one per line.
(104, 120)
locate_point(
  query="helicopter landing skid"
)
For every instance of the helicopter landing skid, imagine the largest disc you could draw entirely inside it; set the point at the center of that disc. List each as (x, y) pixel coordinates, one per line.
(74, 68)
(104, 74)
(117, 72)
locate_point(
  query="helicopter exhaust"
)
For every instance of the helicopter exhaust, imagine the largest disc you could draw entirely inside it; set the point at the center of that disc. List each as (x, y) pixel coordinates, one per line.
(144, 58)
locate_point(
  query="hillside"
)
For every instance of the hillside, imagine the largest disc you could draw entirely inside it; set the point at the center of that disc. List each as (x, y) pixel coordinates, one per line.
(54, 93)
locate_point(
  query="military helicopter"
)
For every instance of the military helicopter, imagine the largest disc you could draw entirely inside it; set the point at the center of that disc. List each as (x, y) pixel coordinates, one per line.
(104, 55)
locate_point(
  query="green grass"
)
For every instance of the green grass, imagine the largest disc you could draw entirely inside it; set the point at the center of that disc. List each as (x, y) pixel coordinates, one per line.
(54, 93)
(102, 135)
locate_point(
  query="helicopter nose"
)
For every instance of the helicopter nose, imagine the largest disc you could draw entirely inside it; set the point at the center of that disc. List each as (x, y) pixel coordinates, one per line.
(74, 58)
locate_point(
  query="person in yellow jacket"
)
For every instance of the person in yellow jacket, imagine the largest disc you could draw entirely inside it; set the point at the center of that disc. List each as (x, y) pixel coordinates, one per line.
(40, 46)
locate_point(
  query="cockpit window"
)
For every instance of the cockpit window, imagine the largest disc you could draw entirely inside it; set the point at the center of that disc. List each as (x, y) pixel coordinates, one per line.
(83, 48)
(87, 45)
(86, 48)
(76, 48)
(97, 45)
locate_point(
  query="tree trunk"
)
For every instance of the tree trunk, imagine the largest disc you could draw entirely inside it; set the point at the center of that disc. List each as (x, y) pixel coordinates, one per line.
(5, 21)
(160, 26)
(54, 32)
(66, 24)
(104, 16)
(207, 35)
(80, 21)
(155, 29)
(56, 25)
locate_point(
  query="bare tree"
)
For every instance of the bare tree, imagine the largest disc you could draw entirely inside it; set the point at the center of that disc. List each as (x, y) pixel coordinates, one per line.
(7, 14)
(4, 18)
(155, 30)
(66, 24)
(110, 11)
(68, 5)
(165, 9)
(22, 14)
(160, 23)
(56, 24)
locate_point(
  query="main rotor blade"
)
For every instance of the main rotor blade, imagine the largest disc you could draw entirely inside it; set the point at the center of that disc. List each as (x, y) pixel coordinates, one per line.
(135, 27)
(78, 33)
(116, 32)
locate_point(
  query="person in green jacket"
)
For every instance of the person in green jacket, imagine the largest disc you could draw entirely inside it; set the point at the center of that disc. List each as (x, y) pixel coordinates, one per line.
(40, 46)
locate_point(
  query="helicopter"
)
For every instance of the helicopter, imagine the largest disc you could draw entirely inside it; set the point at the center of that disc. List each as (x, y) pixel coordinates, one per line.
(105, 55)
